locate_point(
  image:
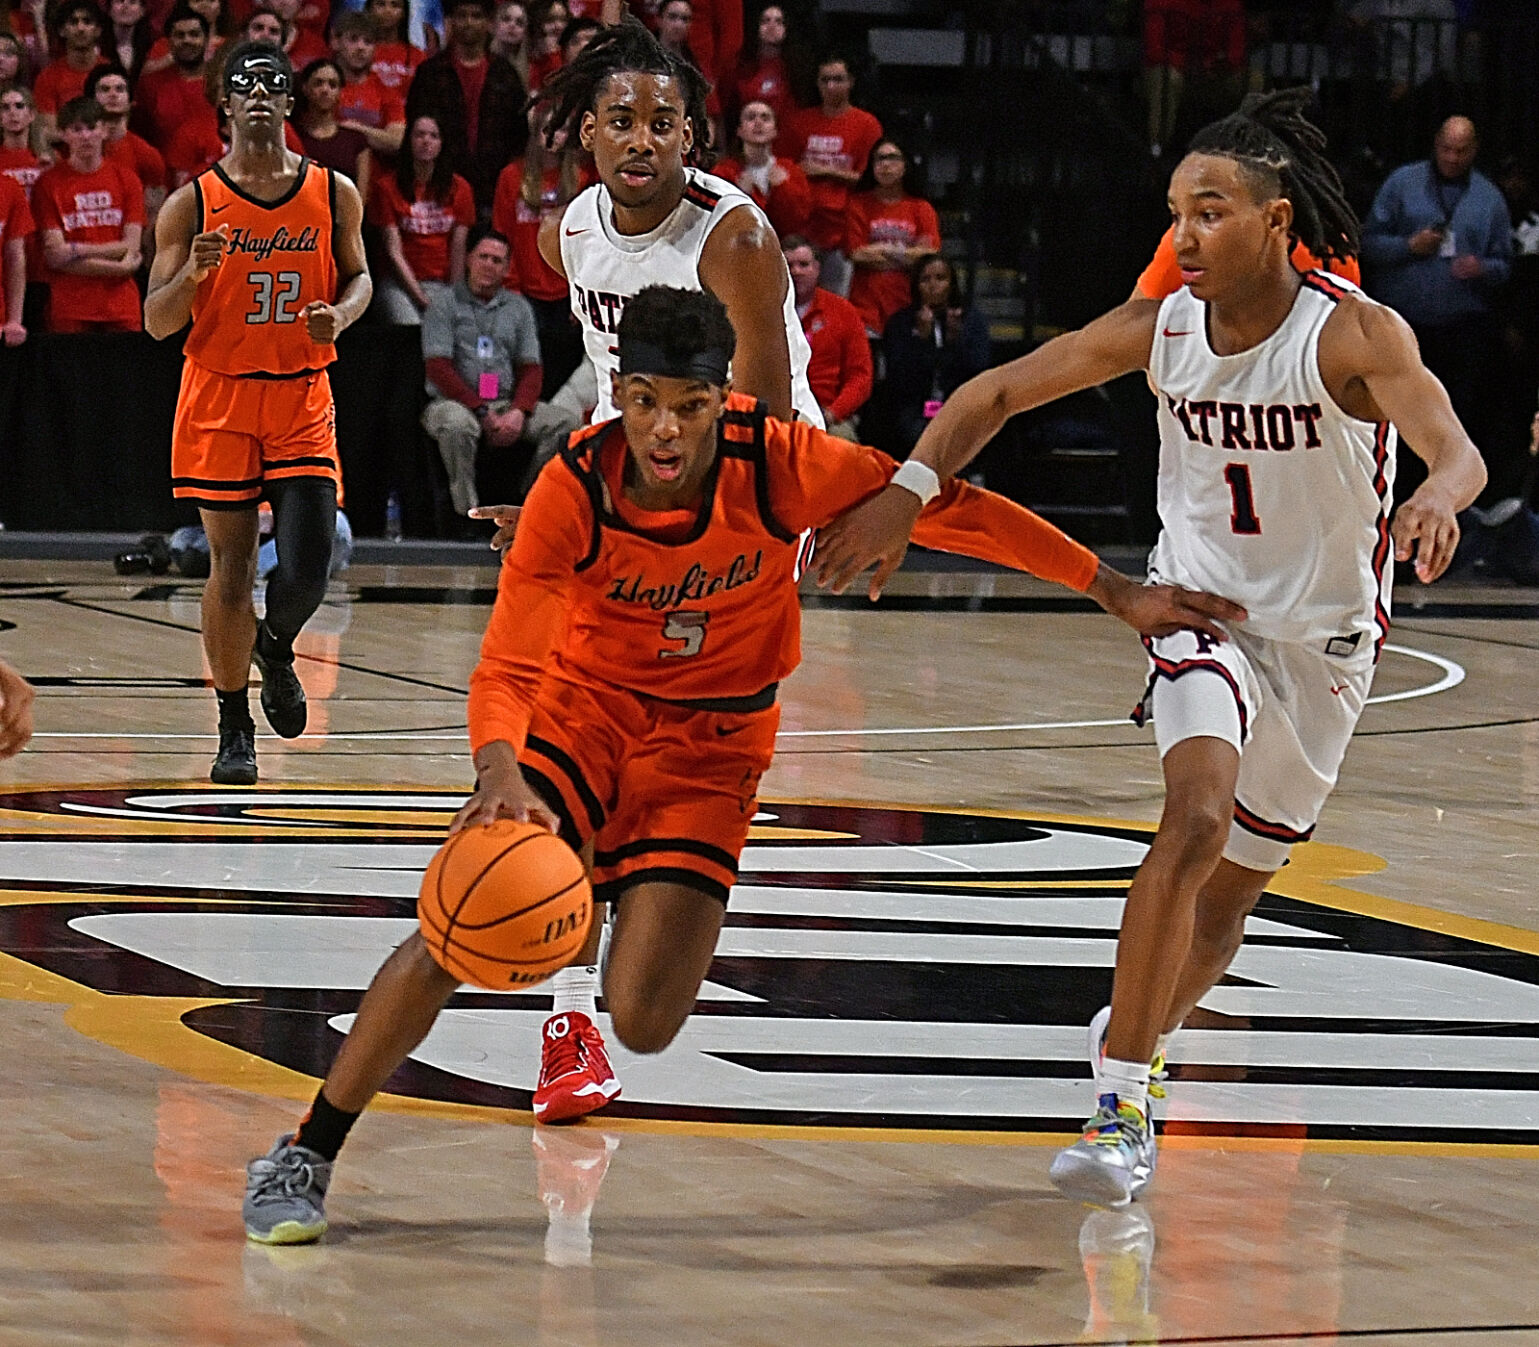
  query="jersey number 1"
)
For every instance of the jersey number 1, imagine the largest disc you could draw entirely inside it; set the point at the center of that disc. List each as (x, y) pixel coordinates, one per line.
(1242, 518)
(274, 296)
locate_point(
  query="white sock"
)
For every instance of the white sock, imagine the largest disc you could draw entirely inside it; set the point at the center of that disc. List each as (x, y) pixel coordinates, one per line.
(575, 989)
(1129, 1081)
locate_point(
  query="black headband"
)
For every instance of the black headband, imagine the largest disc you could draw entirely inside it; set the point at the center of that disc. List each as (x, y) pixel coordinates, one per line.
(642, 357)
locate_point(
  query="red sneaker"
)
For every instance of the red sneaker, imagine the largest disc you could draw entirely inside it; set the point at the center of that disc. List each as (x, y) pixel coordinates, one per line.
(575, 1075)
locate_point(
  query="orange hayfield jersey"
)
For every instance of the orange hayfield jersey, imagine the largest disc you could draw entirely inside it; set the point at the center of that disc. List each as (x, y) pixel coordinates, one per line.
(247, 317)
(700, 605)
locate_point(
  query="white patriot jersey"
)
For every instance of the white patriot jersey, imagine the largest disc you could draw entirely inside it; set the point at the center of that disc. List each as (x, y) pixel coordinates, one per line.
(605, 268)
(1269, 494)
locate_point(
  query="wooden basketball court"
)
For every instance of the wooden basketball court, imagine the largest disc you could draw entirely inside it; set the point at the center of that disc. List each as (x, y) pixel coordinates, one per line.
(849, 1142)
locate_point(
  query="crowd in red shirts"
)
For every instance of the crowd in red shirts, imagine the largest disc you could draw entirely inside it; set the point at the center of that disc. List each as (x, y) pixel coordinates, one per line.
(107, 106)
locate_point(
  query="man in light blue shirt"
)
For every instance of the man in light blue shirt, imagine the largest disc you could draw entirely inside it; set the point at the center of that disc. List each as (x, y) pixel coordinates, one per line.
(1436, 245)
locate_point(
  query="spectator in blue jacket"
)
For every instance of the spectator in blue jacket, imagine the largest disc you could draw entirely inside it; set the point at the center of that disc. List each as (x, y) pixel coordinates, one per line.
(1436, 245)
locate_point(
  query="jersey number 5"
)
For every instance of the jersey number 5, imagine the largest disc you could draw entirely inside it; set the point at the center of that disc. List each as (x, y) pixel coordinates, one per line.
(686, 627)
(274, 296)
(1242, 518)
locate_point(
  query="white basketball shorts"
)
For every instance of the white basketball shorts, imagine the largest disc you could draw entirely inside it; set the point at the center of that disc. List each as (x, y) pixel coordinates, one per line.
(1289, 709)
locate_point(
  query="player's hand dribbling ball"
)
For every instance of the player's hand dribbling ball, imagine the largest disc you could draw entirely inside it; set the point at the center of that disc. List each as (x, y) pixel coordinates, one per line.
(505, 905)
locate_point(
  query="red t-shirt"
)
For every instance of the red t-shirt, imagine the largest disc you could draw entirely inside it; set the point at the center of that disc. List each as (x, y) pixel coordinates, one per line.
(136, 153)
(878, 294)
(370, 102)
(23, 168)
(307, 46)
(57, 83)
(844, 142)
(426, 225)
(198, 146)
(765, 82)
(519, 223)
(166, 100)
(396, 62)
(90, 208)
(15, 223)
(472, 81)
(788, 204)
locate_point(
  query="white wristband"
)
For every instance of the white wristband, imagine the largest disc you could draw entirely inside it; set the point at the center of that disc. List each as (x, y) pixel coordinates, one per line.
(919, 478)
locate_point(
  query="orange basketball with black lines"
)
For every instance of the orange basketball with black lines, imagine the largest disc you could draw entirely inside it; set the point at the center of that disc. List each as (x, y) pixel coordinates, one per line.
(505, 905)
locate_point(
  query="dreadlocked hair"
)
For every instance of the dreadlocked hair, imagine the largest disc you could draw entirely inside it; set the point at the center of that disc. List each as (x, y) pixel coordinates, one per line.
(1284, 152)
(626, 48)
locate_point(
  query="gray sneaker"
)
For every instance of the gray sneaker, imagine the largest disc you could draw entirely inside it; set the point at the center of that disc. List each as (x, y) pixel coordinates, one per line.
(286, 1194)
(1113, 1160)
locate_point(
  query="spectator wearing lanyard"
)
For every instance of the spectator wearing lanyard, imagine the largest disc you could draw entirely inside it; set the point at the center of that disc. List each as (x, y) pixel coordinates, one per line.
(891, 228)
(1436, 245)
(424, 210)
(932, 347)
(778, 186)
(482, 353)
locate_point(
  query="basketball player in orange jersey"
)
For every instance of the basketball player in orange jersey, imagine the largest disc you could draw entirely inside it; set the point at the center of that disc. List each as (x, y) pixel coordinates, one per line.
(264, 253)
(626, 693)
(1279, 397)
(652, 219)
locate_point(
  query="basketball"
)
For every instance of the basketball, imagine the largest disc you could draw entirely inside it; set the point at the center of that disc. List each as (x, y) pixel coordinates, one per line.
(505, 905)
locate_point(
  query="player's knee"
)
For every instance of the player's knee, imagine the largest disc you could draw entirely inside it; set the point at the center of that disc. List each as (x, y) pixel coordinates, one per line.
(643, 1024)
(417, 973)
(1194, 831)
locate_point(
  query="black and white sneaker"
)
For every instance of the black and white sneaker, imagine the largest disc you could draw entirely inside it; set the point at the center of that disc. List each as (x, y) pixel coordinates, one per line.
(235, 764)
(283, 696)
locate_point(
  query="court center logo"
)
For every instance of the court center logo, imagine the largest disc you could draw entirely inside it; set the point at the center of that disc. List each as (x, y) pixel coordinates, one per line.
(880, 967)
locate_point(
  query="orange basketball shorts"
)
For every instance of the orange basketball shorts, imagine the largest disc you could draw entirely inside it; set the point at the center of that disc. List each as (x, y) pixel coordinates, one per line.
(665, 793)
(232, 436)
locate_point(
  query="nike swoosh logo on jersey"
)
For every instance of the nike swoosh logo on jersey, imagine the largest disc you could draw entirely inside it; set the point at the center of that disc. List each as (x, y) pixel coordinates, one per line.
(723, 731)
(214, 210)
(573, 233)
(1169, 333)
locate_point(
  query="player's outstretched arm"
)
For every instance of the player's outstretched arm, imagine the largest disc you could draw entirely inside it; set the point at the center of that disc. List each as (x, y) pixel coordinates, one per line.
(1375, 345)
(742, 265)
(877, 532)
(183, 257)
(324, 321)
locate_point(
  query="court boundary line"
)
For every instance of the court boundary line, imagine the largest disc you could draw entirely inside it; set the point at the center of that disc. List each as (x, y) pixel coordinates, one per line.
(1303, 1335)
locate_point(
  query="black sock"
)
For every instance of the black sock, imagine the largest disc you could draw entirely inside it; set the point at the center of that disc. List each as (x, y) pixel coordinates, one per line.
(325, 1127)
(271, 647)
(234, 710)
